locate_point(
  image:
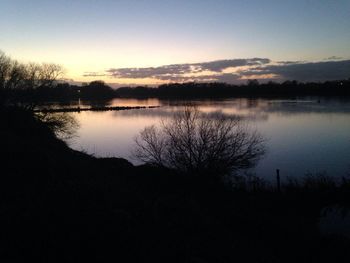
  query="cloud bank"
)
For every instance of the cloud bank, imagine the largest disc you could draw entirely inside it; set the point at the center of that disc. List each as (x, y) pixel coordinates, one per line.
(315, 71)
(235, 71)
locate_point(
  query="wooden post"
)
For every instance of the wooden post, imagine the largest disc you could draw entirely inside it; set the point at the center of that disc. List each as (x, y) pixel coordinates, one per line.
(278, 180)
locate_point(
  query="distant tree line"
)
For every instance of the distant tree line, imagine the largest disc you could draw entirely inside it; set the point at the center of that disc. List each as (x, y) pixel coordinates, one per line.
(26, 84)
(100, 90)
(252, 88)
(62, 91)
(96, 89)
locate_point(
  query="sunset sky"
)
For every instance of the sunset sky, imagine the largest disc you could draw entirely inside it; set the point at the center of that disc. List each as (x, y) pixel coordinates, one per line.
(158, 41)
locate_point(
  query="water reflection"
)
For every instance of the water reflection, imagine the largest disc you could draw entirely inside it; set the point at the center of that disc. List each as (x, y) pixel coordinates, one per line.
(304, 135)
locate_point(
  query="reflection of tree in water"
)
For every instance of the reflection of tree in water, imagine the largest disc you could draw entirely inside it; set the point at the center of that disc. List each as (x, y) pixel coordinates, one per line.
(64, 125)
(97, 103)
(75, 103)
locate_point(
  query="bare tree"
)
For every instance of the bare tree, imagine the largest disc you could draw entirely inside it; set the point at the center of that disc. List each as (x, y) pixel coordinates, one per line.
(16, 76)
(195, 143)
(64, 125)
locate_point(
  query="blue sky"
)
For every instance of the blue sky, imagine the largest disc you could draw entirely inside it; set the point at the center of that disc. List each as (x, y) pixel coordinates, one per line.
(97, 35)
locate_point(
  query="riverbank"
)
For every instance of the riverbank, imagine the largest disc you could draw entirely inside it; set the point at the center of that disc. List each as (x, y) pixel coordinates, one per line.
(61, 205)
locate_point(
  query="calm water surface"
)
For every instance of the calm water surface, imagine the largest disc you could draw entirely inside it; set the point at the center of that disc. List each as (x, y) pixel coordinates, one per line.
(304, 135)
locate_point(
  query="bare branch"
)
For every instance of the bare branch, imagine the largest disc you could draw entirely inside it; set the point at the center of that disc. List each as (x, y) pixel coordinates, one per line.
(195, 143)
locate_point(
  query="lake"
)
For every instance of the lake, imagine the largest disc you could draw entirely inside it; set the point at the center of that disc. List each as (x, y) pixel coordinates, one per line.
(306, 135)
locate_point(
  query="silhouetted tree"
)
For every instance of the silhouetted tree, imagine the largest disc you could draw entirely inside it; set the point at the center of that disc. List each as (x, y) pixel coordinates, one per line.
(195, 143)
(64, 125)
(252, 82)
(16, 77)
(96, 89)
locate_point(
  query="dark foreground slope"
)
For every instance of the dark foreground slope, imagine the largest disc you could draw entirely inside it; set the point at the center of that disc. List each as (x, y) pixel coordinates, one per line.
(59, 205)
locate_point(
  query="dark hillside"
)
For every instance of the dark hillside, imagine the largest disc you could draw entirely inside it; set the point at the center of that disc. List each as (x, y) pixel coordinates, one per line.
(59, 205)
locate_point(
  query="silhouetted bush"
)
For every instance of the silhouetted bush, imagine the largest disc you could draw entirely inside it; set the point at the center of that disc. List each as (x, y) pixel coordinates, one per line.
(64, 125)
(198, 144)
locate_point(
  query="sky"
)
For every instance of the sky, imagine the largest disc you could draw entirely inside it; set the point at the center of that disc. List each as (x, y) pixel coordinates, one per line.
(159, 41)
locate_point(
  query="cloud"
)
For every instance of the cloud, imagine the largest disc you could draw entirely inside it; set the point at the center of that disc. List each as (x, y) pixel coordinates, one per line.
(311, 71)
(181, 70)
(220, 65)
(234, 71)
(333, 58)
(290, 62)
(94, 74)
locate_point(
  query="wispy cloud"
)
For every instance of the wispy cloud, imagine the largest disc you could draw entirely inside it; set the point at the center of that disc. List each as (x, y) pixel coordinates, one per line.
(235, 71)
(94, 74)
(333, 58)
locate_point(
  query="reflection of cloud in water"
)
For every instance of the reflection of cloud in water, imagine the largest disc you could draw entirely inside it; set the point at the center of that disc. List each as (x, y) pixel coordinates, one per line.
(249, 109)
(309, 106)
(168, 111)
(281, 106)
